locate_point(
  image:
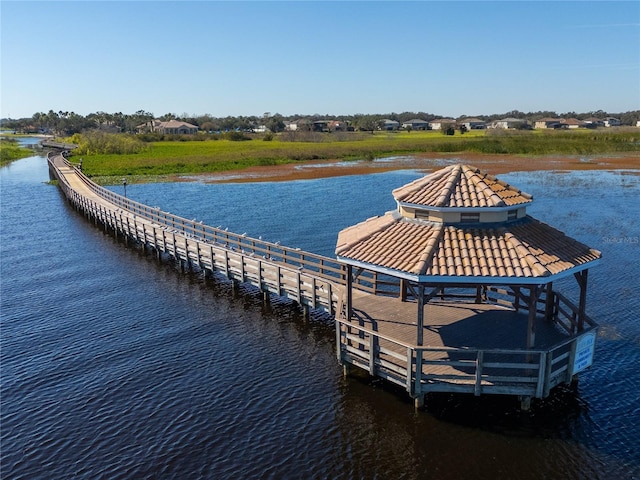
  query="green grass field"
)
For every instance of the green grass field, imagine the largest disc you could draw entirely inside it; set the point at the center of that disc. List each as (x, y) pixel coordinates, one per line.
(10, 151)
(194, 157)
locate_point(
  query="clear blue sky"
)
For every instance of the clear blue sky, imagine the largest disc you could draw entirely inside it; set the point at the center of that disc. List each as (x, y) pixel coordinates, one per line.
(246, 58)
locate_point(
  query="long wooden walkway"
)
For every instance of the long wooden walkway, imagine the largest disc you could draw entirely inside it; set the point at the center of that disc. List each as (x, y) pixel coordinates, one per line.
(314, 281)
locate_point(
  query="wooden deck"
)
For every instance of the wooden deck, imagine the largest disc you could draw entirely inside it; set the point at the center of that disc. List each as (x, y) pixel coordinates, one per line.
(467, 347)
(449, 324)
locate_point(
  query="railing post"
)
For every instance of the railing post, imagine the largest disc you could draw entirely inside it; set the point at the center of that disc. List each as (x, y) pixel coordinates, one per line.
(409, 383)
(547, 379)
(542, 373)
(373, 347)
(479, 361)
(417, 381)
(338, 341)
(572, 358)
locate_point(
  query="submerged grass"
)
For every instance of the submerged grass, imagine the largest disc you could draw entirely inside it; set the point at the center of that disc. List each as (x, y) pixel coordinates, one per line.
(176, 157)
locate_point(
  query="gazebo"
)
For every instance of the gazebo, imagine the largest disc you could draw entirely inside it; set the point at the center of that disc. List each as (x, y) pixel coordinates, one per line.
(453, 292)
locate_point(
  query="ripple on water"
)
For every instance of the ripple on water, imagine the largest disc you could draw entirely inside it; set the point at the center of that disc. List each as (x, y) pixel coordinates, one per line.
(116, 367)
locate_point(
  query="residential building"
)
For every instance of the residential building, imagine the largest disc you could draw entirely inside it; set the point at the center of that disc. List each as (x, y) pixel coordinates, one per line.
(389, 124)
(172, 127)
(442, 123)
(509, 123)
(473, 123)
(547, 122)
(416, 124)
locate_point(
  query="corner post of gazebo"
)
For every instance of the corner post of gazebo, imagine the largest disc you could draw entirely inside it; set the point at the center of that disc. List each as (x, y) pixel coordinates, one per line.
(420, 331)
(582, 278)
(549, 302)
(403, 290)
(349, 311)
(417, 381)
(534, 295)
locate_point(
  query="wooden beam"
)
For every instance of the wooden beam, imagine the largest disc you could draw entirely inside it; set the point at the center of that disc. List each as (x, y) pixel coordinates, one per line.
(403, 290)
(349, 292)
(582, 278)
(534, 294)
(549, 302)
(420, 332)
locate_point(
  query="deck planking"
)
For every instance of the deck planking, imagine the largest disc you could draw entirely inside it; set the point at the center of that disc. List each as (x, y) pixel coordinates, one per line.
(452, 324)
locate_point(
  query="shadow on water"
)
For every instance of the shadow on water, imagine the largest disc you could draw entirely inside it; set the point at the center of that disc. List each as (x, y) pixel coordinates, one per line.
(553, 417)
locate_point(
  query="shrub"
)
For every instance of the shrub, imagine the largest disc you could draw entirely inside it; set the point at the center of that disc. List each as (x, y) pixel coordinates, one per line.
(96, 142)
(235, 136)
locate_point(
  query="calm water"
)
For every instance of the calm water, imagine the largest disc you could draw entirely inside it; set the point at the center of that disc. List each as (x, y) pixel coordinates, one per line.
(115, 366)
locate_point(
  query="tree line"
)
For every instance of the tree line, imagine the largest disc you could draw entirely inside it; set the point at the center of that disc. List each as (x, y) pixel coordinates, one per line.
(68, 123)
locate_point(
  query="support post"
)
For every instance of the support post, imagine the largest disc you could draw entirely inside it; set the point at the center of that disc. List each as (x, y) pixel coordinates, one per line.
(548, 306)
(420, 332)
(582, 277)
(534, 294)
(525, 403)
(403, 290)
(349, 292)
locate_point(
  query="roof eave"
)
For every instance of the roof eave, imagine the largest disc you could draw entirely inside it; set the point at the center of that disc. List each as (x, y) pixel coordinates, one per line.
(477, 280)
(464, 209)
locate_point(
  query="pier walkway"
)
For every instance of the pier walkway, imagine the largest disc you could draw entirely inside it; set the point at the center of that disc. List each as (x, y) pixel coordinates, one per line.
(313, 281)
(474, 338)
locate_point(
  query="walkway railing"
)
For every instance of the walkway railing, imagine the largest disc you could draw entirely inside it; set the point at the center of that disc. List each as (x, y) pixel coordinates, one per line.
(312, 280)
(422, 370)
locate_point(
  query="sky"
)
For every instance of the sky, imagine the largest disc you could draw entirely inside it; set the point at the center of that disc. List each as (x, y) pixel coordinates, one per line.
(246, 58)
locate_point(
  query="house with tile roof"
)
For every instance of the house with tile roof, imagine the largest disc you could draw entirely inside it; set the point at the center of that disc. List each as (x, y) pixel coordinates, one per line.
(442, 123)
(573, 123)
(473, 123)
(416, 124)
(546, 122)
(460, 229)
(171, 127)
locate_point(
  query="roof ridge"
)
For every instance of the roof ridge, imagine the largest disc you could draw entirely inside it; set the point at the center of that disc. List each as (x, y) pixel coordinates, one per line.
(454, 180)
(524, 253)
(376, 224)
(478, 179)
(432, 246)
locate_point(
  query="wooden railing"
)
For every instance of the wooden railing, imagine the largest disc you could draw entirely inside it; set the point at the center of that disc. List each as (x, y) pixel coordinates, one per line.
(465, 370)
(323, 267)
(311, 280)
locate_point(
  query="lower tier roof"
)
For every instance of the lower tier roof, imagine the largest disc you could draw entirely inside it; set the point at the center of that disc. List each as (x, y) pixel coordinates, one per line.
(526, 251)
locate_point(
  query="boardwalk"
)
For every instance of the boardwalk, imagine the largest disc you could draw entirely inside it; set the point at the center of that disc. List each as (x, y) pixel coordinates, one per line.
(442, 341)
(311, 280)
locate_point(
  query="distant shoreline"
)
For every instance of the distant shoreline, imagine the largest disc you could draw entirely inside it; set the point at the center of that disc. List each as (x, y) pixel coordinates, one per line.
(493, 164)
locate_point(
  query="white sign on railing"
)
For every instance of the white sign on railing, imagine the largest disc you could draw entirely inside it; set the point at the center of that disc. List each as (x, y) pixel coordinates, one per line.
(584, 352)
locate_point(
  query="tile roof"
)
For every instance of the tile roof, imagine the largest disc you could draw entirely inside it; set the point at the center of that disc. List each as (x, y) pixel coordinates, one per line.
(460, 186)
(519, 250)
(526, 249)
(176, 124)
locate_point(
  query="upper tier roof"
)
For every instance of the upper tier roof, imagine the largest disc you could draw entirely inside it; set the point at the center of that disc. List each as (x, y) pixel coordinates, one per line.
(460, 186)
(520, 251)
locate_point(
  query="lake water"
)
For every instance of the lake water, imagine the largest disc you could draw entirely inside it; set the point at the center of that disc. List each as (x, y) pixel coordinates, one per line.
(115, 366)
